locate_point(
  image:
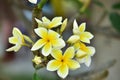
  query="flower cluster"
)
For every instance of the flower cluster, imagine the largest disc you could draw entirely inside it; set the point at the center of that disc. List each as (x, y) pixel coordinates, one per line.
(47, 49)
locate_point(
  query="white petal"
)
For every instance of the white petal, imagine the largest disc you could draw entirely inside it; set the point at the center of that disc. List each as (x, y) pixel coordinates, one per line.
(40, 23)
(13, 40)
(88, 61)
(56, 53)
(17, 47)
(85, 40)
(38, 44)
(73, 64)
(45, 19)
(82, 27)
(63, 71)
(69, 53)
(46, 50)
(42, 32)
(33, 1)
(58, 43)
(88, 35)
(55, 22)
(53, 35)
(73, 39)
(75, 27)
(91, 50)
(53, 65)
(80, 54)
(11, 49)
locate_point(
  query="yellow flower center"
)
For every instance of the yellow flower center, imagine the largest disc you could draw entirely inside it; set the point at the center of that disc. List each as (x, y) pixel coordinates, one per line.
(62, 60)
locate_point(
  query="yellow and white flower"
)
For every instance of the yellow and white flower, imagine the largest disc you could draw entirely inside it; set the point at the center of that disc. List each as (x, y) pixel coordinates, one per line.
(62, 63)
(49, 39)
(84, 53)
(80, 34)
(55, 22)
(37, 60)
(17, 39)
(33, 1)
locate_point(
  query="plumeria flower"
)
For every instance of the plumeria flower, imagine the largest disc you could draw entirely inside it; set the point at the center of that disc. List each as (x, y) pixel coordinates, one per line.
(80, 34)
(33, 1)
(84, 53)
(49, 39)
(62, 63)
(55, 22)
(37, 60)
(17, 39)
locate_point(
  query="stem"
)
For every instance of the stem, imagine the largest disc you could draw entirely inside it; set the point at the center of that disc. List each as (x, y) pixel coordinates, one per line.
(37, 12)
(42, 3)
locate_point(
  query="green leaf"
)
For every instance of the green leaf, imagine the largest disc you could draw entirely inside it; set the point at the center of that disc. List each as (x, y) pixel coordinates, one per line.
(98, 3)
(116, 6)
(36, 77)
(115, 20)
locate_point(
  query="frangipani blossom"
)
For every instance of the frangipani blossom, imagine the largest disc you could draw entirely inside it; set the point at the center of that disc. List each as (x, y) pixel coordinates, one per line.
(84, 53)
(80, 34)
(62, 63)
(17, 39)
(33, 1)
(55, 22)
(49, 39)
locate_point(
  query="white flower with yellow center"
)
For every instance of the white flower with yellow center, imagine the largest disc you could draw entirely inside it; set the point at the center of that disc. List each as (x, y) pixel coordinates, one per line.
(37, 60)
(17, 39)
(80, 34)
(55, 22)
(62, 63)
(84, 53)
(33, 1)
(49, 39)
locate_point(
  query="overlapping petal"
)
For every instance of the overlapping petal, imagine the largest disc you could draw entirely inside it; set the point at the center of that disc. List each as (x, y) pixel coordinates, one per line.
(38, 44)
(47, 49)
(88, 61)
(58, 43)
(63, 71)
(82, 27)
(53, 35)
(16, 33)
(57, 54)
(73, 64)
(45, 19)
(91, 50)
(13, 40)
(73, 39)
(69, 53)
(42, 32)
(84, 39)
(55, 22)
(53, 65)
(81, 54)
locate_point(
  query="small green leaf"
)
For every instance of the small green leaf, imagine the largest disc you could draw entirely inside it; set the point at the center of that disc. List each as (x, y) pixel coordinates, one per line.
(116, 6)
(36, 77)
(115, 20)
(98, 3)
